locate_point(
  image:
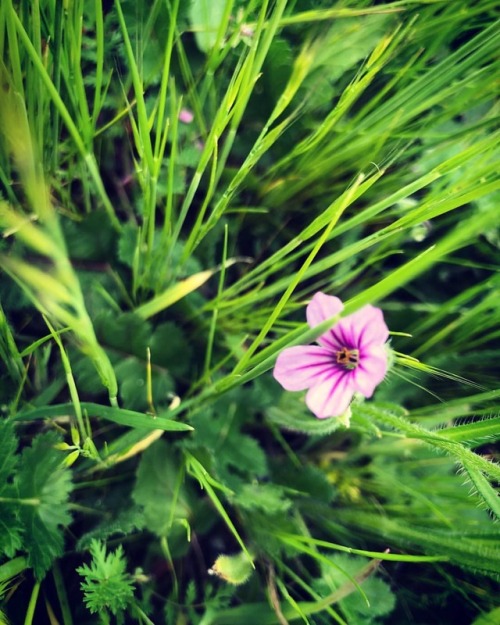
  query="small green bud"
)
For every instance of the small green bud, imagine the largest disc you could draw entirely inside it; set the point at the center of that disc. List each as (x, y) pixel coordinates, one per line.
(234, 569)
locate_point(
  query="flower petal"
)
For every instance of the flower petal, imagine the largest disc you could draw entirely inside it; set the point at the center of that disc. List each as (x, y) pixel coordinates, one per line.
(371, 369)
(321, 308)
(331, 398)
(363, 328)
(302, 366)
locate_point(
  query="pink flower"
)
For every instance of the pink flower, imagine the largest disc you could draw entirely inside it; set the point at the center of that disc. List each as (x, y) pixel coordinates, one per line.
(351, 357)
(186, 116)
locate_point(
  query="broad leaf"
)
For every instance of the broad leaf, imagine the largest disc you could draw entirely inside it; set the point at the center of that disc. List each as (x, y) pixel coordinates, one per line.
(44, 485)
(205, 17)
(10, 527)
(158, 491)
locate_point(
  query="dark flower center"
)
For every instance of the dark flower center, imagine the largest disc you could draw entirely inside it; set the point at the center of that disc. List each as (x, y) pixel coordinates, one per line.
(348, 358)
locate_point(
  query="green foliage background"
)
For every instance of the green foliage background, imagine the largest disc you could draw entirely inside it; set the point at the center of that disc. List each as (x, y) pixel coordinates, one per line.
(151, 469)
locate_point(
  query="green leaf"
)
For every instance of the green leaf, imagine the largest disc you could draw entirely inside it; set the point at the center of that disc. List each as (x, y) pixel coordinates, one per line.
(92, 238)
(205, 17)
(293, 415)
(8, 446)
(484, 489)
(381, 600)
(170, 348)
(127, 244)
(308, 480)
(158, 490)
(43, 481)
(269, 498)
(491, 618)
(126, 522)
(107, 585)
(474, 433)
(235, 455)
(10, 526)
(126, 333)
(130, 418)
(131, 376)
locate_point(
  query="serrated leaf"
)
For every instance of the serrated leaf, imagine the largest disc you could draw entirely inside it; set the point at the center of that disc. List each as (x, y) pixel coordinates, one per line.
(43, 481)
(10, 527)
(107, 584)
(8, 446)
(10, 530)
(245, 454)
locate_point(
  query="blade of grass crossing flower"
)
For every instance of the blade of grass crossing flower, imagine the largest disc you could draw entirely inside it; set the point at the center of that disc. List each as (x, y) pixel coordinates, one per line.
(340, 206)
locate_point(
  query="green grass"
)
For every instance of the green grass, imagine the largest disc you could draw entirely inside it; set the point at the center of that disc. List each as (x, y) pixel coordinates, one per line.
(152, 271)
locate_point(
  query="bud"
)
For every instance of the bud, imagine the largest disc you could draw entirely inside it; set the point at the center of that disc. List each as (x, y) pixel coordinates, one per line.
(234, 569)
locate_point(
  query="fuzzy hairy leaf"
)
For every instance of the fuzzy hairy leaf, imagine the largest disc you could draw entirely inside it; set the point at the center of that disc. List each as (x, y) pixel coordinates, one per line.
(292, 417)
